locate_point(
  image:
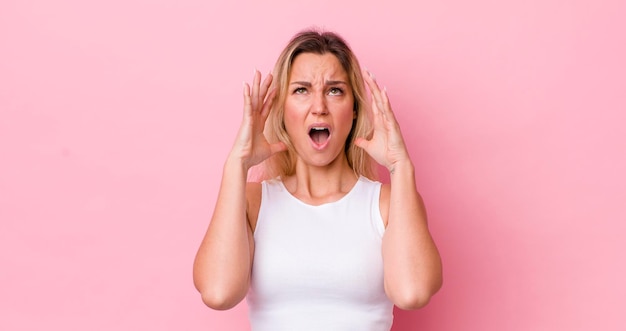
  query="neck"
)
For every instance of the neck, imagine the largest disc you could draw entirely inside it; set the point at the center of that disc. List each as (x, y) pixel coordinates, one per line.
(318, 185)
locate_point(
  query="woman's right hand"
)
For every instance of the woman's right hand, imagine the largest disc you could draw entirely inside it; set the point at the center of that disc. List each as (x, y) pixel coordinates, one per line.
(251, 146)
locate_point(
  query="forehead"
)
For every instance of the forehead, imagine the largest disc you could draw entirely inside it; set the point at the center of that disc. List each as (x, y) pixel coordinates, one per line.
(317, 66)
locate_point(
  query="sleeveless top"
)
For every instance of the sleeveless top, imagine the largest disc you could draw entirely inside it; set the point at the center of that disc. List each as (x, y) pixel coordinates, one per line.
(319, 267)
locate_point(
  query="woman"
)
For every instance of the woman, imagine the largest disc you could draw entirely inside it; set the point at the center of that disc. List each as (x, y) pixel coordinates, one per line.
(319, 244)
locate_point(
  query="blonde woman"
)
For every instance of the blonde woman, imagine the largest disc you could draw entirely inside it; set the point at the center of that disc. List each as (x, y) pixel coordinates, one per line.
(318, 244)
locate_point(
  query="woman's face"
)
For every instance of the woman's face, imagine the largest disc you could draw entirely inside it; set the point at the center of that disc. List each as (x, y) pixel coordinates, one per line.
(319, 108)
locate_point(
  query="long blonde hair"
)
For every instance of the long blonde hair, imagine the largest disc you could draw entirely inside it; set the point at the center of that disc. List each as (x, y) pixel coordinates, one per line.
(317, 42)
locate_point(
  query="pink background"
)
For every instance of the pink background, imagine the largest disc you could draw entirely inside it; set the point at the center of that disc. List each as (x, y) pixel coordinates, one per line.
(116, 116)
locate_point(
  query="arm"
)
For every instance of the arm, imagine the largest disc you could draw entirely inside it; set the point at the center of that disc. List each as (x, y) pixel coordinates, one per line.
(221, 270)
(222, 265)
(412, 265)
(413, 271)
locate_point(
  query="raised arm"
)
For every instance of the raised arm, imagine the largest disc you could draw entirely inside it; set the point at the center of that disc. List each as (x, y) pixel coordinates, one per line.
(221, 270)
(412, 265)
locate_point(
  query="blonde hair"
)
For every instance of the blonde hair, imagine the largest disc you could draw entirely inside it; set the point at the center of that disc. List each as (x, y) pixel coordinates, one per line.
(313, 41)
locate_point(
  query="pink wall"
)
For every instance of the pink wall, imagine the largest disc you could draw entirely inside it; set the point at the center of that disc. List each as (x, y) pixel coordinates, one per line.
(115, 118)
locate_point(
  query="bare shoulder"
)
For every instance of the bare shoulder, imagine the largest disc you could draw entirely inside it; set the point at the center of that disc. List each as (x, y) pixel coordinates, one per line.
(253, 198)
(385, 192)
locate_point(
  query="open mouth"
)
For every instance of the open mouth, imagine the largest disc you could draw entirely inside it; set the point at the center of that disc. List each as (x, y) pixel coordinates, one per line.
(319, 135)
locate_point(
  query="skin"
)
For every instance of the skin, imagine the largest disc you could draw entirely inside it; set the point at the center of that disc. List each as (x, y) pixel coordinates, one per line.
(319, 93)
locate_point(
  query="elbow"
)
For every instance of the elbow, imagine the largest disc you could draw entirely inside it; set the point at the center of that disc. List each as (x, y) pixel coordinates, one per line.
(415, 298)
(412, 301)
(218, 295)
(219, 301)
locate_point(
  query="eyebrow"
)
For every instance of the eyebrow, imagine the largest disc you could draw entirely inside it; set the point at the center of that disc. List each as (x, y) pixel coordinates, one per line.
(328, 82)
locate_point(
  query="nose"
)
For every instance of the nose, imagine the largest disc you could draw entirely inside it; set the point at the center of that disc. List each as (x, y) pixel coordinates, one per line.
(319, 105)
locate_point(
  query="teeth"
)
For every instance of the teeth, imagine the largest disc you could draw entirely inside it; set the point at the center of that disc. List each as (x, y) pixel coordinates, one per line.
(318, 128)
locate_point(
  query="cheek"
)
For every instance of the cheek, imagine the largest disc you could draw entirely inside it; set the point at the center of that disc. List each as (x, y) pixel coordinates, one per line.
(291, 116)
(346, 115)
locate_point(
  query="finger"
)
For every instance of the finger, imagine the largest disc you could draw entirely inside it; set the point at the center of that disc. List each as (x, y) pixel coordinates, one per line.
(247, 102)
(387, 111)
(373, 86)
(384, 103)
(256, 80)
(380, 102)
(269, 101)
(277, 147)
(362, 143)
(265, 86)
(378, 116)
(367, 78)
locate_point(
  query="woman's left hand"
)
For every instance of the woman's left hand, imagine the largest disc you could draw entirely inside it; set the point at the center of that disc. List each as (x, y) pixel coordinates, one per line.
(386, 145)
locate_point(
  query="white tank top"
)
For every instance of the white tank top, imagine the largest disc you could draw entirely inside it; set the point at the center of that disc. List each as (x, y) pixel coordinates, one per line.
(319, 267)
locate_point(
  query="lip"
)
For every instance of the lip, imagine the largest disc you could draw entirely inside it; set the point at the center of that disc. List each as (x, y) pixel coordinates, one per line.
(315, 145)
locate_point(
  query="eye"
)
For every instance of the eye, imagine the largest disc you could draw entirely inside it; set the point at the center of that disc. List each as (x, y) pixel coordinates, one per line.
(335, 91)
(299, 90)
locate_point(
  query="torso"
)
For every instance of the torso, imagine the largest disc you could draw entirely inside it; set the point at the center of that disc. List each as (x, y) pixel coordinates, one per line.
(318, 266)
